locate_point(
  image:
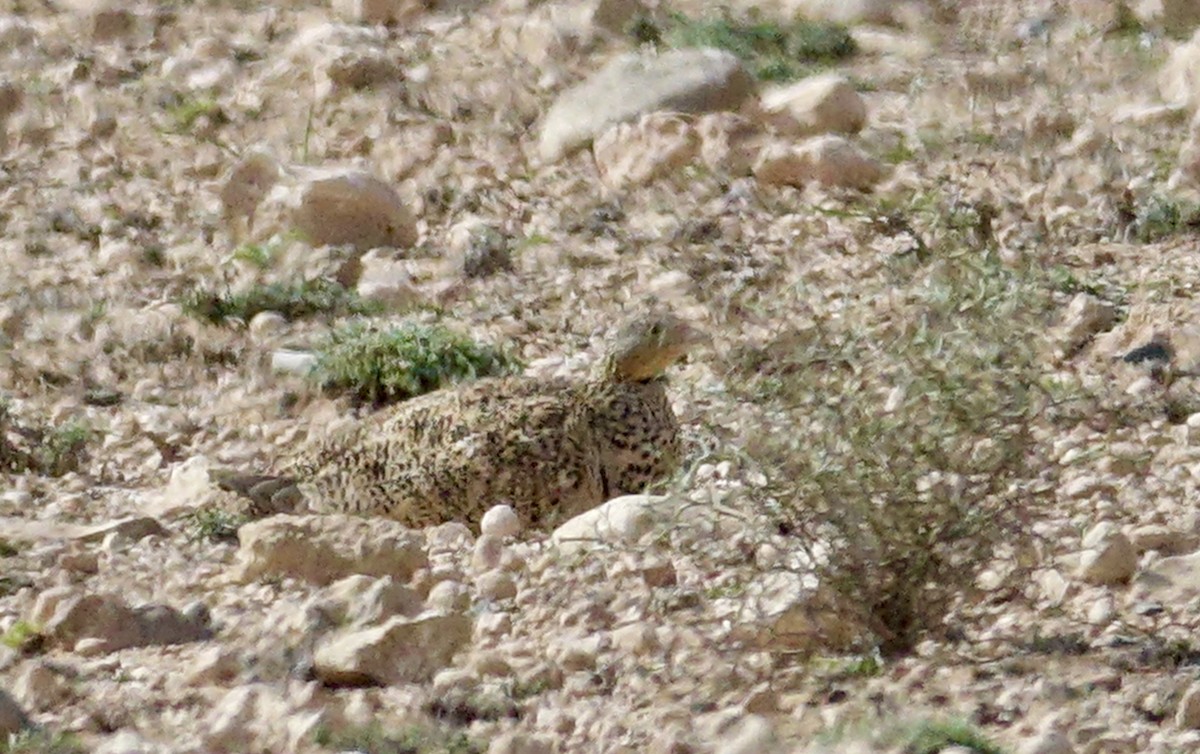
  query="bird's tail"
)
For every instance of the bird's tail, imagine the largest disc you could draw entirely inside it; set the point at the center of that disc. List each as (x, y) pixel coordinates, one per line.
(267, 494)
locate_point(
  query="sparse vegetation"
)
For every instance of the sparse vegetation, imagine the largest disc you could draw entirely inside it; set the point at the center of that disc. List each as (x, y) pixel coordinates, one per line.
(1161, 217)
(933, 736)
(37, 741)
(374, 739)
(7, 548)
(301, 300)
(913, 460)
(774, 51)
(24, 637)
(215, 525)
(46, 450)
(187, 113)
(381, 366)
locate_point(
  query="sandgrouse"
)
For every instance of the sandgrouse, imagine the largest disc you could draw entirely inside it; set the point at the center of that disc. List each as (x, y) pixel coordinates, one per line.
(550, 448)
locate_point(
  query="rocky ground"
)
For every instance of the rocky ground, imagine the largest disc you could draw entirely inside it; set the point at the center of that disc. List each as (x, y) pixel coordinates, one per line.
(502, 169)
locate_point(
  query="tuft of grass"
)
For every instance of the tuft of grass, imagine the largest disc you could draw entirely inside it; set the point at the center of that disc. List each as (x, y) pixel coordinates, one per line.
(1161, 217)
(186, 113)
(260, 255)
(46, 450)
(8, 549)
(215, 525)
(914, 461)
(411, 739)
(380, 366)
(24, 637)
(294, 301)
(774, 51)
(38, 741)
(933, 736)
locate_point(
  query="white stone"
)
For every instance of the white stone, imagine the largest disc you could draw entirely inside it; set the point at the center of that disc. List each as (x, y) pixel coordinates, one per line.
(816, 105)
(500, 521)
(401, 650)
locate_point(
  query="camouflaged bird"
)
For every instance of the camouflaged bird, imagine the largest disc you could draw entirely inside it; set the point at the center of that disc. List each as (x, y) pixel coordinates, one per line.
(550, 448)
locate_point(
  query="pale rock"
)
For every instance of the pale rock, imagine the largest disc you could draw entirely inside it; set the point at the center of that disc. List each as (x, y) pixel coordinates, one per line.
(634, 153)
(127, 742)
(379, 11)
(386, 281)
(515, 742)
(1086, 486)
(816, 105)
(1101, 612)
(622, 520)
(82, 562)
(729, 142)
(1160, 538)
(108, 620)
(188, 487)
(828, 160)
(785, 610)
(753, 734)
(1111, 560)
(459, 681)
(1171, 581)
(291, 362)
(248, 718)
(49, 601)
(496, 585)
(364, 600)
(491, 664)
(41, 687)
(448, 596)
(683, 81)
(500, 521)
(1086, 316)
(12, 718)
(214, 666)
(576, 656)
(333, 206)
(488, 553)
(267, 324)
(127, 530)
(452, 536)
(636, 639)
(1187, 716)
(1054, 586)
(847, 12)
(402, 650)
(1047, 742)
(246, 185)
(321, 549)
(493, 624)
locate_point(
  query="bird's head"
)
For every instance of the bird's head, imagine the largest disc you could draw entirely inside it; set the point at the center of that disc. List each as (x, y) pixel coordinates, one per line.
(645, 346)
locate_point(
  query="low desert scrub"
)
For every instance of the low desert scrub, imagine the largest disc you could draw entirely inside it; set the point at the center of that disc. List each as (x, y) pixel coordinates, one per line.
(386, 365)
(35, 741)
(908, 455)
(41, 449)
(294, 301)
(773, 50)
(412, 739)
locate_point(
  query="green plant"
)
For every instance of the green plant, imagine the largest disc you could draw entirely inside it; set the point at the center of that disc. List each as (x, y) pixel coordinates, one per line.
(23, 637)
(1160, 217)
(911, 459)
(215, 525)
(412, 739)
(46, 450)
(774, 51)
(386, 365)
(185, 113)
(7, 548)
(307, 298)
(38, 741)
(932, 736)
(260, 255)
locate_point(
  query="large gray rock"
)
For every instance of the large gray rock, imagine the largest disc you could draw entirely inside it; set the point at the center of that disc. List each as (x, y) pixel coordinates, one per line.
(109, 625)
(321, 549)
(402, 650)
(686, 81)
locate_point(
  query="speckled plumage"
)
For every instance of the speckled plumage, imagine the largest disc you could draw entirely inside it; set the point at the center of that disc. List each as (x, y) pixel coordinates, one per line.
(550, 448)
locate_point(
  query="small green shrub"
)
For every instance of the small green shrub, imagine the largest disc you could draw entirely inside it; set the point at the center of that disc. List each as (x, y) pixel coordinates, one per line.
(215, 525)
(37, 741)
(912, 459)
(294, 301)
(774, 51)
(46, 450)
(1160, 217)
(187, 112)
(381, 366)
(933, 736)
(24, 637)
(411, 739)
